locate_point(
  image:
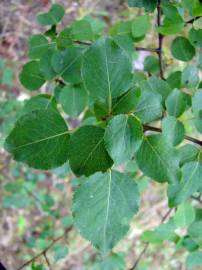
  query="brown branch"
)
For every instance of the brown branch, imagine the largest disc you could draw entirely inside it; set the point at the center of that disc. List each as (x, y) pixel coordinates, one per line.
(82, 42)
(160, 40)
(61, 82)
(140, 256)
(188, 138)
(151, 128)
(47, 261)
(137, 48)
(193, 20)
(43, 253)
(147, 49)
(197, 198)
(146, 246)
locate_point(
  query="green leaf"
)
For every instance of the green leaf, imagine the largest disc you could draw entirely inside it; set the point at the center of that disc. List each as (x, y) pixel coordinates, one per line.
(97, 25)
(189, 184)
(149, 5)
(151, 64)
(39, 102)
(52, 17)
(123, 137)
(173, 130)
(195, 232)
(73, 99)
(196, 8)
(189, 244)
(140, 26)
(182, 49)
(158, 235)
(149, 107)
(190, 77)
(170, 28)
(122, 28)
(127, 102)
(176, 103)
(138, 78)
(60, 252)
(81, 30)
(171, 12)
(37, 266)
(184, 215)
(187, 152)
(106, 71)
(173, 22)
(31, 76)
(195, 37)
(38, 45)
(39, 139)
(157, 85)
(45, 64)
(113, 199)
(113, 262)
(194, 260)
(174, 79)
(158, 160)
(197, 109)
(67, 64)
(64, 39)
(101, 110)
(87, 153)
(123, 104)
(126, 43)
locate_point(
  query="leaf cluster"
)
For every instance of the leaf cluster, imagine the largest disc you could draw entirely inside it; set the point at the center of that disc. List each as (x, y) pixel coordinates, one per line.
(93, 79)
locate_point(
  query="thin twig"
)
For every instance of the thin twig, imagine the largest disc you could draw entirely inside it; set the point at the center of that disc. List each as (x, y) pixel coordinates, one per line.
(82, 42)
(47, 261)
(160, 40)
(42, 253)
(137, 48)
(140, 256)
(147, 49)
(193, 20)
(197, 198)
(188, 138)
(146, 246)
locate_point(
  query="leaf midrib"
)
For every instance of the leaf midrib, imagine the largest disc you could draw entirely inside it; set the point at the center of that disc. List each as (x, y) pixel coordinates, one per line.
(107, 211)
(91, 152)
(41, 140)
(108, 81)
(70, 64)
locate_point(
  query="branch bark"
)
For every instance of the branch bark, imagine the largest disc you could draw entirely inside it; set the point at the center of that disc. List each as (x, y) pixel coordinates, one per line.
(188, 138)
(197, 198)
(147, 49)
(137, 48)
(160, 40)
(47, 261)
(193, 20)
